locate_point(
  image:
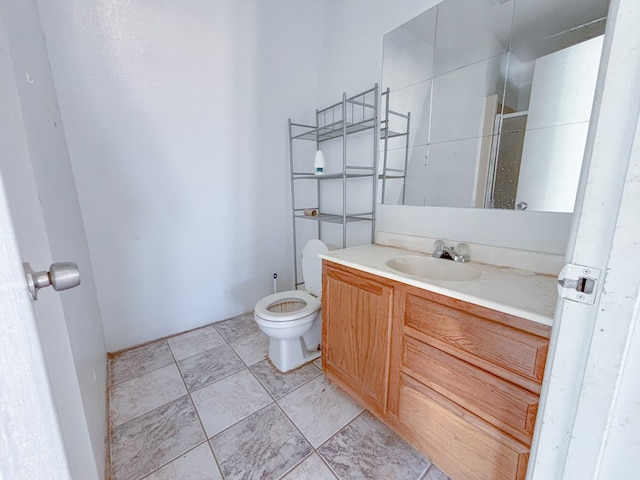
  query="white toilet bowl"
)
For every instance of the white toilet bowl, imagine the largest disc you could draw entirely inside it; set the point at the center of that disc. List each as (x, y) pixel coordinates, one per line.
(292, 319)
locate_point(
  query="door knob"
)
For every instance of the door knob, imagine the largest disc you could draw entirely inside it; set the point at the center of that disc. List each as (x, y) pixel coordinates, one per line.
(61, 276)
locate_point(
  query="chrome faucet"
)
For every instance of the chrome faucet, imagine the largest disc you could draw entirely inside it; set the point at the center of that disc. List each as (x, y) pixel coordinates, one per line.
(459, 253)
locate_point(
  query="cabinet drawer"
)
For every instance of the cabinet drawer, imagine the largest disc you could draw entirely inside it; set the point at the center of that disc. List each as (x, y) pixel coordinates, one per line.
(437, 427)
(471, 337)
(501, 403)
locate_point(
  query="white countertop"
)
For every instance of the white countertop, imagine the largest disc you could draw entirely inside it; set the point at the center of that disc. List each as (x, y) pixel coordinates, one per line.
(517, 292)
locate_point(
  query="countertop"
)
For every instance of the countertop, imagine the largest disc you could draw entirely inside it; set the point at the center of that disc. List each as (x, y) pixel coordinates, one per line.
(517, 292)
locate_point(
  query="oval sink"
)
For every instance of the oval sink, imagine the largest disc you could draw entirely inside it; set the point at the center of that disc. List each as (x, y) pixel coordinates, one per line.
(433, 268)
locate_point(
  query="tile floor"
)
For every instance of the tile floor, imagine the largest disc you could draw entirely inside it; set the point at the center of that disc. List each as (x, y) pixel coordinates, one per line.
(207, 404)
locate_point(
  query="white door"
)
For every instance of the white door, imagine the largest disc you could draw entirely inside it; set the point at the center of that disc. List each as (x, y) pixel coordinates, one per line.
(588, 418)
(43, 427)
(31, 444)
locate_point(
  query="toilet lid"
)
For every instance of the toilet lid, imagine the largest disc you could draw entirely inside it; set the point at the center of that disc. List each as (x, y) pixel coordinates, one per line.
(312, 266)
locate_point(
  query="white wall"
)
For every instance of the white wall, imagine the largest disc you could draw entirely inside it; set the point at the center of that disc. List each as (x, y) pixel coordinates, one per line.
(535, 231)
(175, 115)
(44, 205)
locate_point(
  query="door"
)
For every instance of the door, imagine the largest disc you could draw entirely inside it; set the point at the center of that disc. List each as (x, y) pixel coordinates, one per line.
(588, 407)
(37, 359)
(32, 440)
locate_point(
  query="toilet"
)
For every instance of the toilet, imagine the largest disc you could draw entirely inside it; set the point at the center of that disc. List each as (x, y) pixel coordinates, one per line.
(292, 320)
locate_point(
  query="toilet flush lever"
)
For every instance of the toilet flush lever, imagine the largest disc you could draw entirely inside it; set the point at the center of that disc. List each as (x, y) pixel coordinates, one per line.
(61, 276)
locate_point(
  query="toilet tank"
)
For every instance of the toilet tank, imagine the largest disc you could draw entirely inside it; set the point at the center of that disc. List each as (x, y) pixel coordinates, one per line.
(312, 266)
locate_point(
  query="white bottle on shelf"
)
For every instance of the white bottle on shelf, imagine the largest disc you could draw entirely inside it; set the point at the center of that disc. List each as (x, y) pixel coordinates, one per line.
(318, 164)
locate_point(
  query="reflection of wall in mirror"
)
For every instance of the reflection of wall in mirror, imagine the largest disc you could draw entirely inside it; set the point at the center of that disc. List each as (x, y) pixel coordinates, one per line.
(559, 110)
(444, 174)
(409, 61)
(408, 58)
(408, 64)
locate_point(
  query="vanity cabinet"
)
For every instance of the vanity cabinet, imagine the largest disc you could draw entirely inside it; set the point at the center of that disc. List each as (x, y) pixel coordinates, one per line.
(459, 381)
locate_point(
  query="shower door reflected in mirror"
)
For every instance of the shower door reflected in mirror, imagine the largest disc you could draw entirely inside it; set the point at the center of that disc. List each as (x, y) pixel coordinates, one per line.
(499, 97)
(508, 154)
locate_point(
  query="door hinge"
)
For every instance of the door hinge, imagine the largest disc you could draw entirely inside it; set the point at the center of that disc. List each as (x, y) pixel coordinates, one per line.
(578, 283)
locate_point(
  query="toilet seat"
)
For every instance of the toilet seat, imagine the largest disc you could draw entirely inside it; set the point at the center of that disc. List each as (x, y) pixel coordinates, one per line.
(262, 311)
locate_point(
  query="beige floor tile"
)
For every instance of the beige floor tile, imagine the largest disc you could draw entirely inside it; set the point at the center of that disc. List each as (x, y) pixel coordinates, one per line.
(194, 342)
(264, 445)
(146, 443)
(367, 448)
(312, 468)
(196, 464)
(279, 384)
(252, 348)
(137, 361)
(209, 366)
(319, 409)
(225, 402)
(142, 394)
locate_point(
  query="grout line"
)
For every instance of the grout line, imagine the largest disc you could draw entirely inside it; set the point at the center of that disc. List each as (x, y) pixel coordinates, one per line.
(299, 386)
(345, 426)
(313, 449)
(423, 475)
(296, 465)
(228, 374)
(295, 426)
(193, 405)
(208, 439)
(327, 463)
(242, 419)
(216, 380)
(262, 384)
(173, 460)
(188, 393)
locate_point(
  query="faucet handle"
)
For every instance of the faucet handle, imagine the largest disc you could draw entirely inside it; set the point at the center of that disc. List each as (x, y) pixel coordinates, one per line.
(438, 246)
(462, 252)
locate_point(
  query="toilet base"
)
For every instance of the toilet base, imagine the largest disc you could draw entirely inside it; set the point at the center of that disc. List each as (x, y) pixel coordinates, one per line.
(287, 354)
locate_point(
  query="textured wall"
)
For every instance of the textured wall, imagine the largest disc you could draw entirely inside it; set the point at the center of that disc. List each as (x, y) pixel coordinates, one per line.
(176, 115)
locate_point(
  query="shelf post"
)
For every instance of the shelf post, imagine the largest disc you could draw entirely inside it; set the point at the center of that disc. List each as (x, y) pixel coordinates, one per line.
(293, 209)
(376, 156)
(344, 170)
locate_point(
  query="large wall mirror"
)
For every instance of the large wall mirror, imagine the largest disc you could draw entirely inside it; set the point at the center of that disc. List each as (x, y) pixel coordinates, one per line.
(488, 103)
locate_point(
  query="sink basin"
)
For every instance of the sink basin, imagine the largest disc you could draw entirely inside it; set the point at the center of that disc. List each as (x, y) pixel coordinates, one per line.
(433, 268)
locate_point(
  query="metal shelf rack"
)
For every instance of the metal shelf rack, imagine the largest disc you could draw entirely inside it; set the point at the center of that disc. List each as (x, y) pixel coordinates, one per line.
(353, 116)
(402, 120)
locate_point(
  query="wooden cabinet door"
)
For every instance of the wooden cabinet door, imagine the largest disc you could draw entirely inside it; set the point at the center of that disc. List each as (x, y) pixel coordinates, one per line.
(356, 315)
